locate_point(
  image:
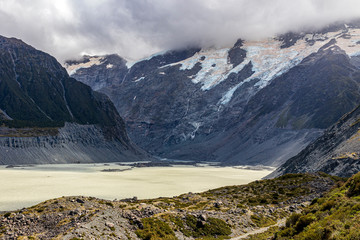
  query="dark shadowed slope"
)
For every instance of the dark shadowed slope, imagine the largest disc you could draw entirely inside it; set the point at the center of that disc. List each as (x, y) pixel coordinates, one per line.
(48, 117)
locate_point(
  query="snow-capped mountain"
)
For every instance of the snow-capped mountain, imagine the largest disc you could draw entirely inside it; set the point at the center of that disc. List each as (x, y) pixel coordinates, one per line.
(254, 102)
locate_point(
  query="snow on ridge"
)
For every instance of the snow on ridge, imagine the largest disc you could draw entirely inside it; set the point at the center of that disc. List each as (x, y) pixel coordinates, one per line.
(351, 44)
(71, 69)
(129, 63)
(215, 67)
(269, 60)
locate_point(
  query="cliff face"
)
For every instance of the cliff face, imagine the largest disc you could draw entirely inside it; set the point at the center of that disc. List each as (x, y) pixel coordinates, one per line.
(46, 116)
(257, 102)
(73, 143)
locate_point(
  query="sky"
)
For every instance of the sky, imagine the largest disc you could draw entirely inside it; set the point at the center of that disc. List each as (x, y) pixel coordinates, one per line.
(135, 29)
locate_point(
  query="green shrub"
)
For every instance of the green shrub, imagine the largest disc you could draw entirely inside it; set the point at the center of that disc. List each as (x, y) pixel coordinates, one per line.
(155, 229)
(328, 205)
(292, 219)
(303, 222)
(213, 227)
(216, 227)
(354, 186)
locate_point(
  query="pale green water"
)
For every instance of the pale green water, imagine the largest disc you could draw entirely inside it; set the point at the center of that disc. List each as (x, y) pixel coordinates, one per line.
(24, 187)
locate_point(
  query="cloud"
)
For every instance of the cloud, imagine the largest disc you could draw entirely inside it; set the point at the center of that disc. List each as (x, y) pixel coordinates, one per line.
(137, 28)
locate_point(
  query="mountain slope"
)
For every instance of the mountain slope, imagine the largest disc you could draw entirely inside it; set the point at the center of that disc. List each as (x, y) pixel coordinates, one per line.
(336, 152)
(334, 216)
(255, 102)
(37, 98)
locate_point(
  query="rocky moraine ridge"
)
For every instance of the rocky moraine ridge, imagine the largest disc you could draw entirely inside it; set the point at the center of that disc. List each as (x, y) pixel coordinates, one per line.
(48, 117)
(257, 102)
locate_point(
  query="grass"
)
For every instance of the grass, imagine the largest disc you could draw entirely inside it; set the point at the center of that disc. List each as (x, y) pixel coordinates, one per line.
(155, 229)
(165, 227)
(261, 221)
(29, 132)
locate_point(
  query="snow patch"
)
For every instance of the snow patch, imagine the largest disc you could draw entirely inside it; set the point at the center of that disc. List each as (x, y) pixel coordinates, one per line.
(214, 67)
(130, 63)
(196, 125)
(4, 115)
(71, 69)
(139, 79)
(349, 45)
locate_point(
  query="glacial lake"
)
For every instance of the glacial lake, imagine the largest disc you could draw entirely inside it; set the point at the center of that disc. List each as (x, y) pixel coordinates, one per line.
(25, 186)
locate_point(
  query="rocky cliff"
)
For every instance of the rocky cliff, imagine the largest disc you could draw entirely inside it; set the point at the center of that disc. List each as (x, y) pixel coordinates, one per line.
(48, 117)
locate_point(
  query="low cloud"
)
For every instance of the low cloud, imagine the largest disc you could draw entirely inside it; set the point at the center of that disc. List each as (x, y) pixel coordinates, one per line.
(138, 28)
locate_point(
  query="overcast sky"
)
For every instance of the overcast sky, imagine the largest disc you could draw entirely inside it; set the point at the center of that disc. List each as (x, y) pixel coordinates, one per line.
(138, 28)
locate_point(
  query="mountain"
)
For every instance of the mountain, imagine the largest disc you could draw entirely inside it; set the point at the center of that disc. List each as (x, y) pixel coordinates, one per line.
(48, 117)
(257, 102)
(336, 152)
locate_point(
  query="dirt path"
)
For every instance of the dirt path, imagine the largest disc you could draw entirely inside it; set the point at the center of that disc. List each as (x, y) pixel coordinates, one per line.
(260, 230)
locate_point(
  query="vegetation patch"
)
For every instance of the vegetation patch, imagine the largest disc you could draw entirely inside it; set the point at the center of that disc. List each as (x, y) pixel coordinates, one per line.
(155, 229)
(261, 221)
(335, 216)
(212, 227)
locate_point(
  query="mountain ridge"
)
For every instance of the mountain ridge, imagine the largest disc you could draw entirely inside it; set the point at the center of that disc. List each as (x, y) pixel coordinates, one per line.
(39, 101)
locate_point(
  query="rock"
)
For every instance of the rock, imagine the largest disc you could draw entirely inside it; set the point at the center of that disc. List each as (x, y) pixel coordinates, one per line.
(200, 224)
(292, 208)
(203, 217)
(109, 224)
(79, 200)
(218, 204)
